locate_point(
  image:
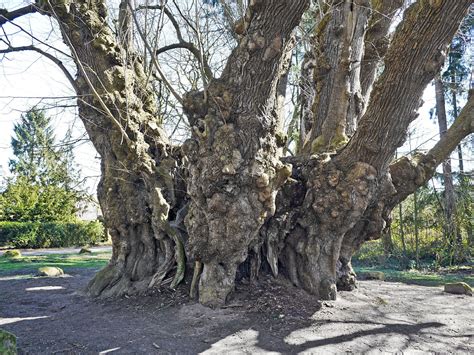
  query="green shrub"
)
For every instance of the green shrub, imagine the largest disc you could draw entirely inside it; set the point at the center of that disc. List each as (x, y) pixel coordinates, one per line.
(7, 343)
(370, 253)
(50, 234)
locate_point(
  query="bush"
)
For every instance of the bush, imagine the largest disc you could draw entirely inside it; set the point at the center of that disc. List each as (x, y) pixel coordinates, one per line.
(370, 253)
(50, 234)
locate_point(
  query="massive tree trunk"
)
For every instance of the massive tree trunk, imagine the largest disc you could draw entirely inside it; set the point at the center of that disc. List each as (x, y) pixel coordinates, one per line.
(243, 206)
(233, 160)
(118, 109)
(345, 201)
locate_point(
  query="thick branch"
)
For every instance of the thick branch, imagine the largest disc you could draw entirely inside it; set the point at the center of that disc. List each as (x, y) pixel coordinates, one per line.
(415, 56)
(338, 52)
(408, 175)
(7, 16)
(461, 128)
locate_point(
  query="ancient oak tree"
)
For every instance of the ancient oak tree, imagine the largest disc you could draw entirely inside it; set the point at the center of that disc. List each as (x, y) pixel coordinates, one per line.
(226, 202)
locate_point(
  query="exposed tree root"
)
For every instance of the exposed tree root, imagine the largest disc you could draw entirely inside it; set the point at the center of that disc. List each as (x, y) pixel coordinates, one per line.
(196, 275)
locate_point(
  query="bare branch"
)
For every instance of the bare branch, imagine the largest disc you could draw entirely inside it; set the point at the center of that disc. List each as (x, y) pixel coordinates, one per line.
(7, 16)
(55, 60)
(182, 43)
(153, 58)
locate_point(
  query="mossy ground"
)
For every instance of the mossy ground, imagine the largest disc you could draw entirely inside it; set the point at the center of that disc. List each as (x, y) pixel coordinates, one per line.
(66, 262)
(427, 278)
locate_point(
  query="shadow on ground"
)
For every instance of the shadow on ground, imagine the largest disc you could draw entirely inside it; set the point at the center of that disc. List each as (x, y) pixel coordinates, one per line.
(50, 315)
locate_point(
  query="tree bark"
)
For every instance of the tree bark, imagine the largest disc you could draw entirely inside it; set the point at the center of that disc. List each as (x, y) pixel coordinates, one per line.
(424, 34)
(338, 50)
(234, 170)
(449, 193)
(118, 109)
(333, 202)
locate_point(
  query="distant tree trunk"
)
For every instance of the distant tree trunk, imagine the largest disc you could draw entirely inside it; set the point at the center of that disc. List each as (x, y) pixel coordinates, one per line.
(387, 242)
(416, 227)
(451, 230)
(402, 230)
(463, 180)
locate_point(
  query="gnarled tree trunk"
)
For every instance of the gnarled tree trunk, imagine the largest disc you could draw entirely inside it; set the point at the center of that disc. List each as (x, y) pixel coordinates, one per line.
(349, 195)
(118, 109)
(243, 205)
(234, 168)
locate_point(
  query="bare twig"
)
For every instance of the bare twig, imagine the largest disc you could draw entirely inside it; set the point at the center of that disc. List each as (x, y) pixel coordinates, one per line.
(55, 60)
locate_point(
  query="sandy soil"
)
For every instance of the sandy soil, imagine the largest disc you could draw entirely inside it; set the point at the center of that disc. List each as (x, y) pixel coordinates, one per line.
(51, 316)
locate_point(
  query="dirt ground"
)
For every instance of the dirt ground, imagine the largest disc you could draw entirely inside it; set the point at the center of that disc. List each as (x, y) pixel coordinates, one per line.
(51, 316)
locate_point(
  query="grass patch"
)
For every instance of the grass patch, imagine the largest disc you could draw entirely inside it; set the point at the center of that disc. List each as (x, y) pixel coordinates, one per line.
(420, 278)
(27, 264)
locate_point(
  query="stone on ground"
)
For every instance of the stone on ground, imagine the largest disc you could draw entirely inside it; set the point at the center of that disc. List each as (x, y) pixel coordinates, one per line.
(12, 254)
(373, 275)
(458, 288)
(85, 251)
(51, 271)
(7, 343)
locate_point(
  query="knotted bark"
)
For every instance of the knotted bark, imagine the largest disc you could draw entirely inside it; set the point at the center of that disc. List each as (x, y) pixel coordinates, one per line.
(233, 166)
(118, 109)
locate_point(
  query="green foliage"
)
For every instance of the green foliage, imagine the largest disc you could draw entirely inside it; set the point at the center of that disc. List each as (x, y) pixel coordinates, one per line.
(45, 183)
(457, 69)
(419, 278)
(7, 343)
(37, 157)
(23, 201)
(51, 234)
(436, 248)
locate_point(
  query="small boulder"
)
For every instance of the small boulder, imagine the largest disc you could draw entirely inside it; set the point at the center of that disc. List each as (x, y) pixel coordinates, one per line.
(85, 251)
(458, 288)
(12, 254)
(7, 343)
(373, 275)
(50, 271)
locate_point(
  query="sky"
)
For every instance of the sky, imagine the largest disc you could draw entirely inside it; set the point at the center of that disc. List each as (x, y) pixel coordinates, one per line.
(27, 79)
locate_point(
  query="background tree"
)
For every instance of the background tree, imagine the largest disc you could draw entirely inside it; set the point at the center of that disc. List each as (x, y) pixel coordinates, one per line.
(45, 185)
(243, 211)
(457, 79)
